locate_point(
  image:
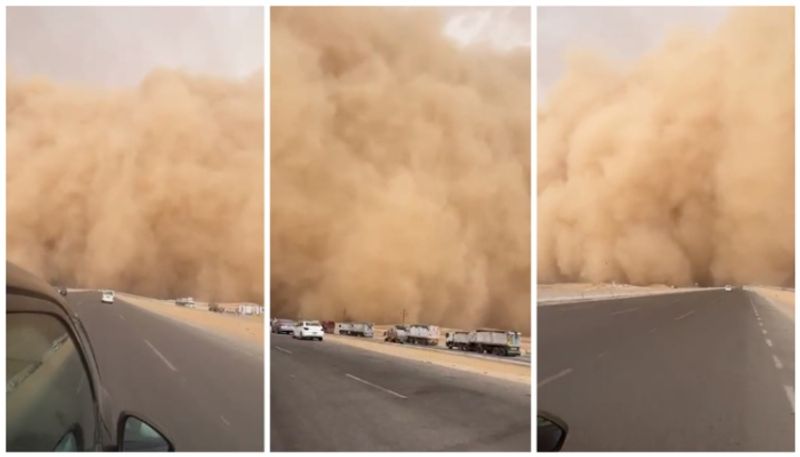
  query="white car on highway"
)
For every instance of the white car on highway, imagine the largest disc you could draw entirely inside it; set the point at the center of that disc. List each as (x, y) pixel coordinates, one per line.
(308, 329)
(728, 288)
(108, 296)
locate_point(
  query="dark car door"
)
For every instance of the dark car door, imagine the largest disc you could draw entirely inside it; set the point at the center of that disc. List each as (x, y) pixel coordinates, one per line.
(50, 404)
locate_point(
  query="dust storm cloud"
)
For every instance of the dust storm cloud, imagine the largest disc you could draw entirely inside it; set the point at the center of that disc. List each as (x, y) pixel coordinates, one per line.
(400, 173)
(155, 189)
(679, 169)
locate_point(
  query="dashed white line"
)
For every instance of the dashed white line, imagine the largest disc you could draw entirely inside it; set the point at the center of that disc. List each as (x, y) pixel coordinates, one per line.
(161, 356)
(224, 421)
(778, 363)
(790, 395)
(602, 354)
(760, 324)
(769, 342)
(560, 374)
(283, 350)
(683, 316)
(121, 316)
(652, 330)
(764, 331)
(389, 391)
(624, 311)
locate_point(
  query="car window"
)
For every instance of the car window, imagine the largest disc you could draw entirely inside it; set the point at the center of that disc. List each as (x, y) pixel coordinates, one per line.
(49, 402)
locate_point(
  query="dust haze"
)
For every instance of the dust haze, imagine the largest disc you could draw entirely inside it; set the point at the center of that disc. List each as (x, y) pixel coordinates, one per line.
(155, 189)
(677, 170)
(400, 171)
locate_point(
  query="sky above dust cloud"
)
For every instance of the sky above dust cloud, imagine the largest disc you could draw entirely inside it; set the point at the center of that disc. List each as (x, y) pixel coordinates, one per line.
(400, 168)
(135, 149)
(676, 167)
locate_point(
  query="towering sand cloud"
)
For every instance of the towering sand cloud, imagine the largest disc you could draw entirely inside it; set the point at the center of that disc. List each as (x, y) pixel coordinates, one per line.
(400, 171)
(677, 170)
(156, 189)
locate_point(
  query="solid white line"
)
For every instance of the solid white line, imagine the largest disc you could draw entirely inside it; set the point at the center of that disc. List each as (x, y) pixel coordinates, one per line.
(283, 350)
(629, 310)
(225, 421)
(769, 342)
(684, 315)
(790, 395)
(777, 361)
(164, 359)
(389, 391)
(554, 377)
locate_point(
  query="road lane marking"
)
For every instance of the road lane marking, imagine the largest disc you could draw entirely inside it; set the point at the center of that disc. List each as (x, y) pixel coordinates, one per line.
(652, 330)
(602, 354)
(790, 395)
(225, 421)
(283, 350)
(624, 311)
(389, 391)
(121, 316)
(764, 331)
(561, 374)
(769, 342)
(760, 324)
(777, 361)
(683, 316)
(164, 359)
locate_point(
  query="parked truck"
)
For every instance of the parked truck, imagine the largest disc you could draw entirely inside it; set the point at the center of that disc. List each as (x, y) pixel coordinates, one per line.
(355, 329)
(457, 339)
(396, 334)
(427, 335)
(497, 342)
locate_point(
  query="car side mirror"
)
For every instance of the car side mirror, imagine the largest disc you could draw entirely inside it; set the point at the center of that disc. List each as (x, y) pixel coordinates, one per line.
(136, 435)
(551, 432)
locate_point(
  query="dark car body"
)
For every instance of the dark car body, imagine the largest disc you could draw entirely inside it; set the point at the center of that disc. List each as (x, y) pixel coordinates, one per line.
(283, 326)
(54, 398)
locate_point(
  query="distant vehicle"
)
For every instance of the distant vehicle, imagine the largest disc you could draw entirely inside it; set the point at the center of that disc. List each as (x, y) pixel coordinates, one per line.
(187, 302)
(457, 340)
(62, 291)
(108, 296)
(396, 334)
(497, 342)
(215, 308)
(329, 326)
(728, 288)
(356, 329)
(283, 326)
(48, 354)
(427, 335)
(308, 330)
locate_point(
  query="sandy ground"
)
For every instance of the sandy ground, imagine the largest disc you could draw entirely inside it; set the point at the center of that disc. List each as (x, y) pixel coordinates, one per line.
(569, 292)
(249, 329)
(502, 370)
(783, 299)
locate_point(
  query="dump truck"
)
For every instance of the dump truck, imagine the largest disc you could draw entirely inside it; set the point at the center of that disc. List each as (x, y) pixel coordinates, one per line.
(492, 341)
(396, 334)
(427, 335)
(457, 339)
(355, 329)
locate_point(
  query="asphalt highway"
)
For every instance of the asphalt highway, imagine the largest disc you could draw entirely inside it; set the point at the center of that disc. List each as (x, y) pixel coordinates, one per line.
(334, 397)
(204, 392)
(697, 371)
